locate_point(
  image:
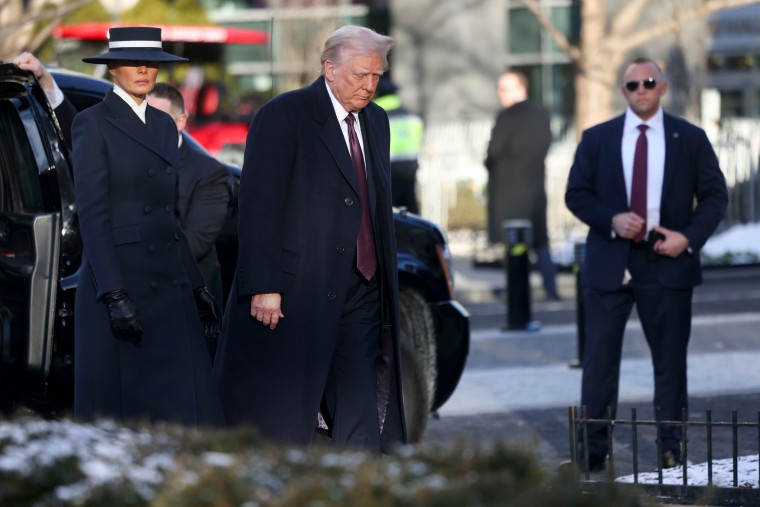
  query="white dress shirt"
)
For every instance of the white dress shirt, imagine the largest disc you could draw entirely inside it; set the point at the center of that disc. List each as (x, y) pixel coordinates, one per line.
(655, 160)
(341, 113)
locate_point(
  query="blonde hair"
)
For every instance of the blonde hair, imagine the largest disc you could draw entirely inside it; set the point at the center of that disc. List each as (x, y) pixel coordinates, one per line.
(355, 39)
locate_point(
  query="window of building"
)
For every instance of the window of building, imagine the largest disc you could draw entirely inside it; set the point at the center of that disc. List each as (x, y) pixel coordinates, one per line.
(524, 32)
(534, 52)
(731, 103)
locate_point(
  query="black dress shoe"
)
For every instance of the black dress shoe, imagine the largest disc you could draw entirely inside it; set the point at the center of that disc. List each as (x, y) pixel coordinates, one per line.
(553, 296)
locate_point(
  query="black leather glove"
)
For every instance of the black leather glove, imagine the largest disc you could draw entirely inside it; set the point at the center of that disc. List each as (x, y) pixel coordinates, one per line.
(211, 317)
(125, 321)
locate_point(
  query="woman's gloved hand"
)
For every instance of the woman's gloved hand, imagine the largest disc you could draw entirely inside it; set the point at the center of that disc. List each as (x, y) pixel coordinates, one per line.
(125, 321)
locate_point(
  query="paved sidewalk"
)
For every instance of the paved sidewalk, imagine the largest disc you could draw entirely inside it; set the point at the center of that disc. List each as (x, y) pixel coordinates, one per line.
(510, 388)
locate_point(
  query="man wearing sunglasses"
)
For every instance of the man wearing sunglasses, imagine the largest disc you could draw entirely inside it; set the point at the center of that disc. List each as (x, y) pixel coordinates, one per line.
(650, 189)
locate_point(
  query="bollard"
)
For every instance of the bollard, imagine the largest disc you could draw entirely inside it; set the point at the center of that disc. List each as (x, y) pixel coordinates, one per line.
(580, 315)
(519, 236)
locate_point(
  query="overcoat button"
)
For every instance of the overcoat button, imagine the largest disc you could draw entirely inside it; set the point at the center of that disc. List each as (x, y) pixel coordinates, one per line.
(151, 172)
(348, 201)
(169, 170)
(168, 208)
(331, 296)
(340, 249)
(175, 283)
(169, 245)
(147, 210)
(154, 285)
(151, 248)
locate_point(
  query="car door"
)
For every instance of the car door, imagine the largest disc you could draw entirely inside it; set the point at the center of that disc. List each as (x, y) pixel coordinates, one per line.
(33, 164)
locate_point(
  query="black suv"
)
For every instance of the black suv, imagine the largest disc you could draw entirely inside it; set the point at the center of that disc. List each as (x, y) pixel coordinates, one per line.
(41, 252)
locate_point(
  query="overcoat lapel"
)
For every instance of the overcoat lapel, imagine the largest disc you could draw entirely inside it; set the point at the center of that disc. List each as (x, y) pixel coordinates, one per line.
(125, 119)
(617, 159)
(330, 132)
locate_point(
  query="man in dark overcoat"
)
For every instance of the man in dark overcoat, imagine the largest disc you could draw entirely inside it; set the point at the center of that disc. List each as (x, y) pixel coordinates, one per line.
(519, 142)
(312, 318)
(141, 306)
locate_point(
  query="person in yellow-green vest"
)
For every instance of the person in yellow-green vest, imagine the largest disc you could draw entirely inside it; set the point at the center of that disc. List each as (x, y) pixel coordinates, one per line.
(406, 140)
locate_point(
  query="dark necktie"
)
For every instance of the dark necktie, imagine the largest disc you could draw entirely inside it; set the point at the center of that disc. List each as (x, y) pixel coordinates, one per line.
(366, 262)
(639, 181)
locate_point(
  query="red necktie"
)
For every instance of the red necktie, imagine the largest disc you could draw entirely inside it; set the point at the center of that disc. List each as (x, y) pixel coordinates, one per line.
(639, 181)
(366, 262)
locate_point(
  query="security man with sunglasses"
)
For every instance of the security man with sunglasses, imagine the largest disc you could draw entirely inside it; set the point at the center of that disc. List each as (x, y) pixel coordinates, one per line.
(650, 189)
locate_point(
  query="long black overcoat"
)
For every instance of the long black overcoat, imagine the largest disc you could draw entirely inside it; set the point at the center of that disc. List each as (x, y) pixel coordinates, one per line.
(125, 175)
(520, 140)
(299, 217)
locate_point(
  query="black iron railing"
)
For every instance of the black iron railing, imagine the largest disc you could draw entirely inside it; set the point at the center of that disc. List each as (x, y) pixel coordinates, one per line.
(706, 437)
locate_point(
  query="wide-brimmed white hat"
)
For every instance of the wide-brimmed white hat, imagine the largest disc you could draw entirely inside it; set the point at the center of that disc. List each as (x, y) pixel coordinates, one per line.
(138, 43)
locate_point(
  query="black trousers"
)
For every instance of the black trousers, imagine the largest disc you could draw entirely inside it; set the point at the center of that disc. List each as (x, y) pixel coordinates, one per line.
(351, 391)
(546, 268)
(665, 316)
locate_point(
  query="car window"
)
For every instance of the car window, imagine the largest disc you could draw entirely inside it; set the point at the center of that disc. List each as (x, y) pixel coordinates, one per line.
(19, 176)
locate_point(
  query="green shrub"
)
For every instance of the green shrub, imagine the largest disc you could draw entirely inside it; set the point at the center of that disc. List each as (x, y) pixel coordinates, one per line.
(105, 464)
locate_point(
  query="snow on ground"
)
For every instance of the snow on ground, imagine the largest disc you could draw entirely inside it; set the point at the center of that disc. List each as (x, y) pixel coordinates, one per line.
(697, 475)
(739, 239)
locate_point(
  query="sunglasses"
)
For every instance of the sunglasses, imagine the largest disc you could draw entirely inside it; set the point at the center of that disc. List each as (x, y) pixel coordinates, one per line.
(648, 84)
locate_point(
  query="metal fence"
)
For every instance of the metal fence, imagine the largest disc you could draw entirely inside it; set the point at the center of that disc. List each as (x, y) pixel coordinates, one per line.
(738, 149)
(704, 439)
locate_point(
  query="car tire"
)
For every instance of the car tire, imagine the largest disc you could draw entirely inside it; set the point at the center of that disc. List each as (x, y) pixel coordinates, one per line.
(418, 361)
(416, 399)
(418, 332)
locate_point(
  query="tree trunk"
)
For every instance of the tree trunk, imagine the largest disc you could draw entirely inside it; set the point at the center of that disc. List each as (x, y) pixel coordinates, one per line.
(596, 79)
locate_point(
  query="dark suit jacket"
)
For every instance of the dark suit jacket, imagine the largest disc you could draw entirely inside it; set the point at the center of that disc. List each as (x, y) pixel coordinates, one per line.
(694, 199)
(65, 112)
(125, 175)
(202, 207)
(520, 139)
(299, 217)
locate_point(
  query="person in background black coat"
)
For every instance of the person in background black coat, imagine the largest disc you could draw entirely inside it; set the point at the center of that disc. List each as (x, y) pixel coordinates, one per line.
(141, 306)
(204, 192)
(519, 143)
(304, 322)
(64, 110)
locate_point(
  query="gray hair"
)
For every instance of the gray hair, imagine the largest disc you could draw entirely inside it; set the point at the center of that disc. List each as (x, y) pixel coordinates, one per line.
(355, 39)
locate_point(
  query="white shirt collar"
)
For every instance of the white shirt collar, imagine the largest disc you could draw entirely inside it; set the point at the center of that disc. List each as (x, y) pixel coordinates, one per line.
(632, 120)
(138, 109)
(340, 111)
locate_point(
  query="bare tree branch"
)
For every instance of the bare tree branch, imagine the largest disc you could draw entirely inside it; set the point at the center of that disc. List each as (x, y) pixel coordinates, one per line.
(627, 18)
(558, 37)
(699, 11)
(59, 12)
(10, 30)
